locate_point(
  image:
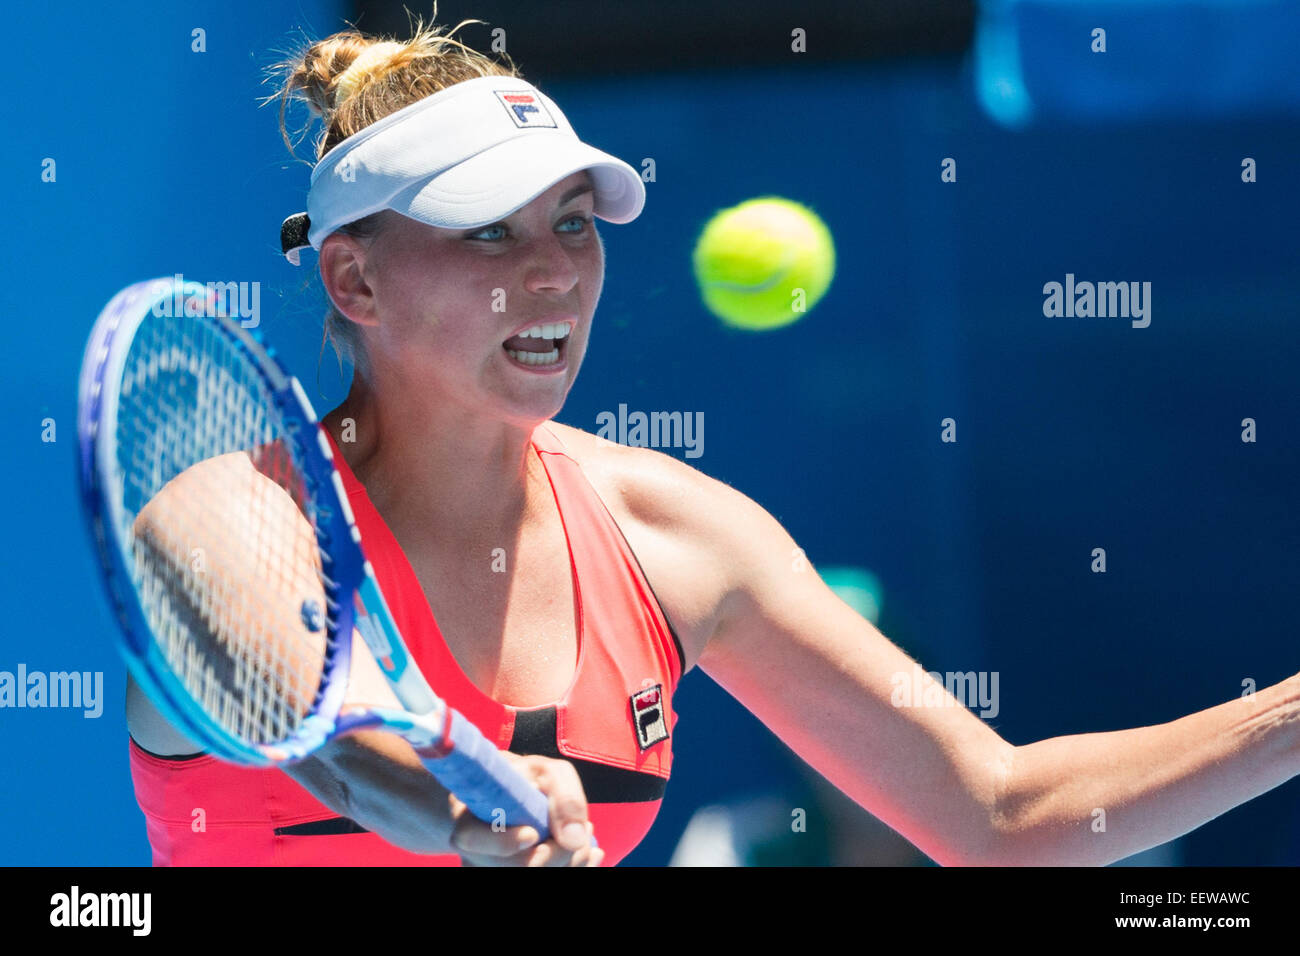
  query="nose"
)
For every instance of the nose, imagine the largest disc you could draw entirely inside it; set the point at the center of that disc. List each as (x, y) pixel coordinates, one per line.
(553, 267)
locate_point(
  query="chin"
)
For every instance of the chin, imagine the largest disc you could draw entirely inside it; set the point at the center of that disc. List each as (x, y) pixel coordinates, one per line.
(532, 410)
(535, 398)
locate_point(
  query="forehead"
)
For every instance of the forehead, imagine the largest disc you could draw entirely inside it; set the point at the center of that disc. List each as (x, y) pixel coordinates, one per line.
(565, 189)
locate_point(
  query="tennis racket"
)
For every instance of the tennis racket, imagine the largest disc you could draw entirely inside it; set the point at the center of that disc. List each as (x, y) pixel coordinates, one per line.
(231, 556)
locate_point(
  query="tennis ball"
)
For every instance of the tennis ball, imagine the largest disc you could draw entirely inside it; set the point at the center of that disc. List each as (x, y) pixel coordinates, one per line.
(764, 263)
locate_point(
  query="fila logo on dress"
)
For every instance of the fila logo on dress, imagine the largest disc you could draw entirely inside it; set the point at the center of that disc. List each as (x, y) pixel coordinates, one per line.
(648, 716)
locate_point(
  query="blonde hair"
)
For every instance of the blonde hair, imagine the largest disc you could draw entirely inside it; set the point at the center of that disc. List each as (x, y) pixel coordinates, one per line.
(348, 81)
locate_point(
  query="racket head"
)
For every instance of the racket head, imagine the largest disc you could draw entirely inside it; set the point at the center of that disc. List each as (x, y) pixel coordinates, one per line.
(167, 382)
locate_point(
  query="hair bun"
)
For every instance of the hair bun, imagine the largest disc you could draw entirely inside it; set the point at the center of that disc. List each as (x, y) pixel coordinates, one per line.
(363, 67)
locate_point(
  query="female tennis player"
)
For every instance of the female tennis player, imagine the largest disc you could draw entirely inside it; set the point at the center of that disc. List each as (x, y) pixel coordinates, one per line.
(573, 581)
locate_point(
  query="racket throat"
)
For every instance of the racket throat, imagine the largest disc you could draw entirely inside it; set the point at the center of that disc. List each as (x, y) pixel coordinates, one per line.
(424, 732)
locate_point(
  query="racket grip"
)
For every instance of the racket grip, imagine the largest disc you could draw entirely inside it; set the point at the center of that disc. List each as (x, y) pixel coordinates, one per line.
(481, 778)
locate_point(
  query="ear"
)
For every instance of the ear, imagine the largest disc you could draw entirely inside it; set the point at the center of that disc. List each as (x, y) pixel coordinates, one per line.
(343, 270)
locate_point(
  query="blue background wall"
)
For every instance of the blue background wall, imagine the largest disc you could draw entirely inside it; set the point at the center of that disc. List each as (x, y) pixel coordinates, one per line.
(1073, 433)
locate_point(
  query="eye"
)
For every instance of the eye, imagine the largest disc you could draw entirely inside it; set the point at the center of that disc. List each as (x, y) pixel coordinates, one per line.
(582, 220)
(476, 235)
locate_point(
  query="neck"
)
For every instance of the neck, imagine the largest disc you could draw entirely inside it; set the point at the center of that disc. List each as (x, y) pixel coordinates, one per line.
(429, 463)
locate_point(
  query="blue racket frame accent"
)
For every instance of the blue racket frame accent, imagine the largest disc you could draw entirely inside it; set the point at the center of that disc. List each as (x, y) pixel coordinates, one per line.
(133, 642)
(451, 747)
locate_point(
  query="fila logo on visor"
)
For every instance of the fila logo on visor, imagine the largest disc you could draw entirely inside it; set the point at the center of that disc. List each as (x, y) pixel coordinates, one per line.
(648, 716)
(525, 108)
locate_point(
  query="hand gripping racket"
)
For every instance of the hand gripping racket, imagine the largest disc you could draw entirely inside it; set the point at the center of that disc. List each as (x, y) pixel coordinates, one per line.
(231, 556)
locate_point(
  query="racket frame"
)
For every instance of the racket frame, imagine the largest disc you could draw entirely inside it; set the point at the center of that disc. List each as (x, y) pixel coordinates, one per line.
(347, 572)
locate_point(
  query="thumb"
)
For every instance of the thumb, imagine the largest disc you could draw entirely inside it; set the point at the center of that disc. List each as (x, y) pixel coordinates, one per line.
(574, 835)
(569, 824)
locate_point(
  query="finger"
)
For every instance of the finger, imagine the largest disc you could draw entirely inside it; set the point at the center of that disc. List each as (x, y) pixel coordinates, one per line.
(542, 855)
(472, 836)
(588, 856)
(546, 855)
(551, 853)
(568, 804)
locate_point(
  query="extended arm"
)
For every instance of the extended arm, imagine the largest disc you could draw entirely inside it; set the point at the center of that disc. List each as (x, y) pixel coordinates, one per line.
(824, 680)
(1153, 783)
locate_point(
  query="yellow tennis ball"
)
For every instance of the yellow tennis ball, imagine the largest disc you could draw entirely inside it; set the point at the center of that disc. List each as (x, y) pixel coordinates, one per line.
(764, 263)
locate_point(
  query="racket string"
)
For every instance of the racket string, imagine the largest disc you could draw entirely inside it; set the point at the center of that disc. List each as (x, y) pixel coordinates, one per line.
(225, 602)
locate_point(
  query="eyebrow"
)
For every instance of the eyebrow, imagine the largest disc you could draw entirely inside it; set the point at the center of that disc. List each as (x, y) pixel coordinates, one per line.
(571, 195)
(575, 192)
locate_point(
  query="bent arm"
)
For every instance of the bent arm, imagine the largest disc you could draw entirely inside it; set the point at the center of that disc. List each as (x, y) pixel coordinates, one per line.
(373, 778)
(376, 780)
(1153, 783)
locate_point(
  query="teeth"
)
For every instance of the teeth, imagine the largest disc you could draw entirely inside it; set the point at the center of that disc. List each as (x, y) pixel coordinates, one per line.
(548, 330)
(535, 358)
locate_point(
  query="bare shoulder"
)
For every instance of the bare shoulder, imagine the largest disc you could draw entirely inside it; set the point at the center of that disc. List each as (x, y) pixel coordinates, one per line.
(644, 481)
(690, 532)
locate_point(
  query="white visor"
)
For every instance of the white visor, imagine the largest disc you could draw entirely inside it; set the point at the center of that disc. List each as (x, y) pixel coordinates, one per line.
(467, 156)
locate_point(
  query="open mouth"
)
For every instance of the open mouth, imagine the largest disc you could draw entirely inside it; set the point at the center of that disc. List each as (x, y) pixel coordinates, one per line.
(540, 345)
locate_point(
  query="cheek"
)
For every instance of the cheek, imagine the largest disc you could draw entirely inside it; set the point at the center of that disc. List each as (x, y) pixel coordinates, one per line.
(425, 302)
(594, 278)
